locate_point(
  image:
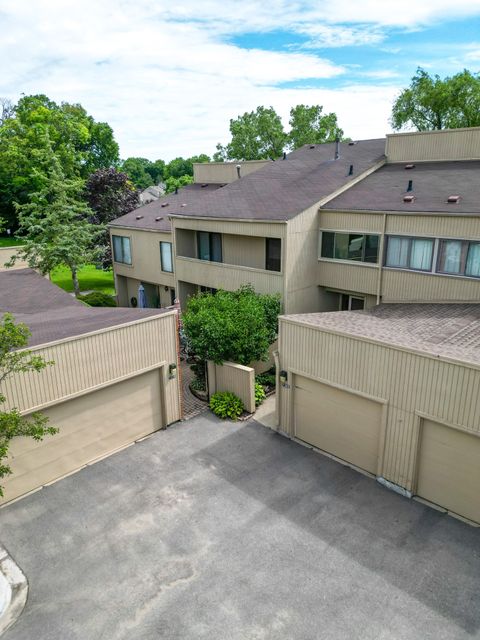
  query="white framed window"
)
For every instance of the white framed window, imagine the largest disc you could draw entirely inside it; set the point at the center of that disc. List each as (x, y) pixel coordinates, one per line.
(166, 261)
(122, 249)
(358, 247)
(409, 253)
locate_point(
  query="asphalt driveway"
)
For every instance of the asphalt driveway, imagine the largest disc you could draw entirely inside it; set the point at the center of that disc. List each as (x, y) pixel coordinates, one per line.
(229, 531)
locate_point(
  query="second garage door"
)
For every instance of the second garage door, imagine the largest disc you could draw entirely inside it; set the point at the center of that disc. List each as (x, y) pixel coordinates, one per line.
(338, 422)
(91, 426)
(449, 469)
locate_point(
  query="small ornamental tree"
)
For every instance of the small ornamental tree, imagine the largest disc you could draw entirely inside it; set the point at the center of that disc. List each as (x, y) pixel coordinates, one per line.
(237, 326)
(14, 359)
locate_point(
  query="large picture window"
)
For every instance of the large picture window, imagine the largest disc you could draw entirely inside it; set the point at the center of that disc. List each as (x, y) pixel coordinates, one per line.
(166, 256)
(409, 253)
(121, 249)
(273, 250)
(349, 246)
(209, 246)
(459, 257)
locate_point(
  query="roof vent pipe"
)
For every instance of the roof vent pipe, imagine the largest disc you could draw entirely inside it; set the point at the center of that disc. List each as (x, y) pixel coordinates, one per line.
(239, 169)
(350, 171)
(410, 185)
(337, 146)
(176, 190)
(284, 155)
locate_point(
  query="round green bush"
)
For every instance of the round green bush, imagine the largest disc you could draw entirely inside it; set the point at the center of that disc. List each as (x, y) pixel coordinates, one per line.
(98, 299)
(225, 404)
(259, 394)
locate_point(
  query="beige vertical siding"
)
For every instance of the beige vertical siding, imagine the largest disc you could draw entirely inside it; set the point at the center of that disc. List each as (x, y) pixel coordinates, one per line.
(351, 221)
(145, 248)
(454, 144)
(235, 378)
(411, 384)
(6, 253)
(244, 251)
(185, 244)
(224, 172)
(88, 362)
(224, 276)
(354, 277)
(412, 286)
(435, 226)
(236, 227)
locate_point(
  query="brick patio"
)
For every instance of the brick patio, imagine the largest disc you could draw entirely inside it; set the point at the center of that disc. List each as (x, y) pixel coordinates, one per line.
(192, 406)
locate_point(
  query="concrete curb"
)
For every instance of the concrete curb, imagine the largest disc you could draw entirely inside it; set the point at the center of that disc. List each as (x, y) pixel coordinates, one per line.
(13, 591)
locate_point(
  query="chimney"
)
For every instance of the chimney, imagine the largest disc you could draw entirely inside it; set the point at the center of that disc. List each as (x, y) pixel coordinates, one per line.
(337, 146)
(410, 185)
(350, 171)
(239, 169)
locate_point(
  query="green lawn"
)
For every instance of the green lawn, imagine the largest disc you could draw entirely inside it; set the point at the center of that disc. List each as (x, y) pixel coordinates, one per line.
(8, 241)
(89, 278)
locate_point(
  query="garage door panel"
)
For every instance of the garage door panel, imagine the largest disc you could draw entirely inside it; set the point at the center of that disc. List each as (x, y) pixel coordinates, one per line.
(338, 422)
(449, 469)
(90, 426)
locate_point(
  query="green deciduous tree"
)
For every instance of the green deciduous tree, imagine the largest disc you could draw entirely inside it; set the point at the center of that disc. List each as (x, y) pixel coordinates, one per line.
(80, 144)
(309, 125)
(54, 223)
(137, 171)
(237, 326)
(256, 135)
(14, 360)
(177, 183)
(435, 103)
(109, 194)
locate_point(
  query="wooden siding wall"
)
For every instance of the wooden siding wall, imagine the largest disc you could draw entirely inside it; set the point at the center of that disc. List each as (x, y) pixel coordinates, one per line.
(244, 251)
(145, 248)
(412, 286)
(224, 276)
(237, 227)
(348, 277)
(224, 172)
(88, 362)
(410, 383)
(6, 253)
(454, 144)
(233, 377)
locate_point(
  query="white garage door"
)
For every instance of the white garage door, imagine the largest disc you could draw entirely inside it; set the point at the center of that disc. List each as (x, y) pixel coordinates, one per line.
(91, 426)
(338, 422)
(449, 469)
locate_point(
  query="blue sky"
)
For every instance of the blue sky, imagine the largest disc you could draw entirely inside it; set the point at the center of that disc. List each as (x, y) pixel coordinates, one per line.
(168, 76)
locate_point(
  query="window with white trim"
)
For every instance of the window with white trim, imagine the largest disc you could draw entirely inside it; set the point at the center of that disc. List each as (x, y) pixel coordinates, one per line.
(121, 249)
(359, 247)
(166, 261)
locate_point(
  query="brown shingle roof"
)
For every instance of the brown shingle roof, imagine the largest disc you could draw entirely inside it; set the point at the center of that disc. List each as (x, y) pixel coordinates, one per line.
(51, 313)
(433, 182)
(449, 330)
(188, 195)
(278, 191)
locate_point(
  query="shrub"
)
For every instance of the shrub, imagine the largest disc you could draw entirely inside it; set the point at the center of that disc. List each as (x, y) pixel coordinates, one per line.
(225, 404)
(198, 384)
(266, 379)
(98, 299)
(259, 394)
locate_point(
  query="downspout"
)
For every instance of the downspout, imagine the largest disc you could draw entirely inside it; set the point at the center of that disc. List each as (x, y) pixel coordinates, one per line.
(380, 264)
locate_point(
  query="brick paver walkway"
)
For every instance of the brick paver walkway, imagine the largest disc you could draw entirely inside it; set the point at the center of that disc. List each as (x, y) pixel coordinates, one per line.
(192, 406)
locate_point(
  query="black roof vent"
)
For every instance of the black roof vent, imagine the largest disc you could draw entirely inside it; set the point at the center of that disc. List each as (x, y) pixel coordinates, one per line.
(453, 199)
(312, 146)
(410, 185)
(158, 218)
(284, 155)
(350, 171)
(164, 204)
(409, 166)
(183, 205)
(138, 217)
(176, 190)
(351, 143)
(204, 185)
(409, 198)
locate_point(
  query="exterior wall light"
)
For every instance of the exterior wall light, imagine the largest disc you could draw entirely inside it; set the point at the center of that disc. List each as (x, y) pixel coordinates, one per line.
(283, 377)
(172, 371)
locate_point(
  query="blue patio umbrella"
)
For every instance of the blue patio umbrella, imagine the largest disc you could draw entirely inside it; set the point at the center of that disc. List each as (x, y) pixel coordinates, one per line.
(142, 298)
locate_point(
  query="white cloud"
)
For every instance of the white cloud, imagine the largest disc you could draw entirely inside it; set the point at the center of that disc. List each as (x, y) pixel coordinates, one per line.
(167, 79)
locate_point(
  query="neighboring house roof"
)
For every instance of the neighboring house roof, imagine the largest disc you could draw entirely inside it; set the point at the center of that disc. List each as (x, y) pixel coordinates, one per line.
(154, 192)
(51, 313)
(432, 182)
(163, 207)
(448, 330)
(278, 191)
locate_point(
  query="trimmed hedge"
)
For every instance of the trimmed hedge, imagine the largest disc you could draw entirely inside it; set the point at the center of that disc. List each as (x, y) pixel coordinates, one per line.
(98, 299)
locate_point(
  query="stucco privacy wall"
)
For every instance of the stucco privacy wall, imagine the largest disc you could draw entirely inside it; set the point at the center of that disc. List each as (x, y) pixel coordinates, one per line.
(411, 386)
(88, 362)
(233, 377)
